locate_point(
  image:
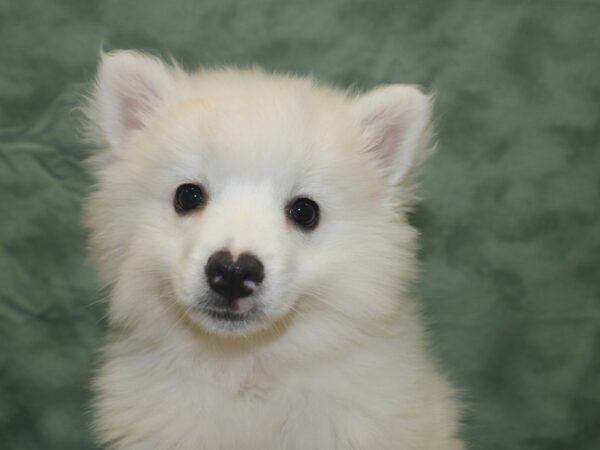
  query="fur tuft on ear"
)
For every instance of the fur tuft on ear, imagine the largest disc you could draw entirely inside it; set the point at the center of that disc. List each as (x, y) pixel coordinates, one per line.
(130, 88)
(395, 123)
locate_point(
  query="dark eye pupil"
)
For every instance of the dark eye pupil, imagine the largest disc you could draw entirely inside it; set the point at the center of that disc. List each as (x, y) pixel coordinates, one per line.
(189, 197)
(305, 212)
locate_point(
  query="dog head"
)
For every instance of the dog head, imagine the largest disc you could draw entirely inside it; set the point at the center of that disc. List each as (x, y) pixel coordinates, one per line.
(237, 199)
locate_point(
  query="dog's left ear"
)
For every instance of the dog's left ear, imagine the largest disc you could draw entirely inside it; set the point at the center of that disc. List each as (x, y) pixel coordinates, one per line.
(395, 124)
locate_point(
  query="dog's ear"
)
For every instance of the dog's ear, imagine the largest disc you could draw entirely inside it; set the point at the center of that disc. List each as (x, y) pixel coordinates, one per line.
(395, 124)
(130, 88)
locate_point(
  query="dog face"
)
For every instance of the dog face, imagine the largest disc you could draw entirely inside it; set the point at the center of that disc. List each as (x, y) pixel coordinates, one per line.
(238, 200)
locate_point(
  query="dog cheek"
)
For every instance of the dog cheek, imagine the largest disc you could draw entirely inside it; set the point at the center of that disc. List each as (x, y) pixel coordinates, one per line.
(135, 296)
(186, 270)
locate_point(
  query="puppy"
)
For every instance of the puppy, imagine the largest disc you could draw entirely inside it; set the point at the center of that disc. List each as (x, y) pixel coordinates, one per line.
(252, 231)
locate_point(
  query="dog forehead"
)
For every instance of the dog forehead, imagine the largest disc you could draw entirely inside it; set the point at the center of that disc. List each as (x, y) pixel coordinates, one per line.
(267, 135)
(258, 131)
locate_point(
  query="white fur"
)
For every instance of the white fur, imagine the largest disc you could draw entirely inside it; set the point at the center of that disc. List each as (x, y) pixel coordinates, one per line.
(339, 361)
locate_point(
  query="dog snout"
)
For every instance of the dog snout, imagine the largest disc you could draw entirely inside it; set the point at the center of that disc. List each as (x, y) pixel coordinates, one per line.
(233, 279)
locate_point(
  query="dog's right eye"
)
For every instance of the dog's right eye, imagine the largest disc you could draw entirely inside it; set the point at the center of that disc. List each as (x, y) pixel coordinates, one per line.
(304, 212)
(189, 197)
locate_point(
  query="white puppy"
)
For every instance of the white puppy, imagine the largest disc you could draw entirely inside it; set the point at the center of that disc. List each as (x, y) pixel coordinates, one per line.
(252, 229)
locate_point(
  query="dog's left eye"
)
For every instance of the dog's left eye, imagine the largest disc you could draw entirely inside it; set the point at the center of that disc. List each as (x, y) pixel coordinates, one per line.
(189, 197)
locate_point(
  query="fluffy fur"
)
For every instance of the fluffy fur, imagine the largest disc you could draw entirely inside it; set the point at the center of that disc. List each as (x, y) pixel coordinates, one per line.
(338, 359)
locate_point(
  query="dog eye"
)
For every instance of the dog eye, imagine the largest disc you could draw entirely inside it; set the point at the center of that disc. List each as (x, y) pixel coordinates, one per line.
(304, 212)
(189, 197)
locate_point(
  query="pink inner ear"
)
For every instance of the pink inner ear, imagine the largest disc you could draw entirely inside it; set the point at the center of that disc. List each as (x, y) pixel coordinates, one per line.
(138, 100)
(131, 108)
(385, 136)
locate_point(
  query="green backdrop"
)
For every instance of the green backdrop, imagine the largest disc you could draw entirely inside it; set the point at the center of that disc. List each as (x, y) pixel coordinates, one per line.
(511, 219)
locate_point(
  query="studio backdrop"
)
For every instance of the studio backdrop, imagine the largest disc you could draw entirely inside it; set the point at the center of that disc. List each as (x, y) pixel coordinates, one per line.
(510, 222)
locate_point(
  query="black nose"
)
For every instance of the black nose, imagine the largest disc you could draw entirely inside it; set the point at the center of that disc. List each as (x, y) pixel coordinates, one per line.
(233, 279)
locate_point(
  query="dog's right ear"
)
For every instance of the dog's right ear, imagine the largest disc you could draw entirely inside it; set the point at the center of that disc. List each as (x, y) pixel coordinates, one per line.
(130, 88)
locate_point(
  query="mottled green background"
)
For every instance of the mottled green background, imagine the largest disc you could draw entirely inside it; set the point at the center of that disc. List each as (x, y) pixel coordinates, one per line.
(511, 219)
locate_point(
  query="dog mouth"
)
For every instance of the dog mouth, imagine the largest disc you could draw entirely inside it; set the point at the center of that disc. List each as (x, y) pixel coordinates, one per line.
(227, 316)
(230, 323)
(215, 316)
(228, 320)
